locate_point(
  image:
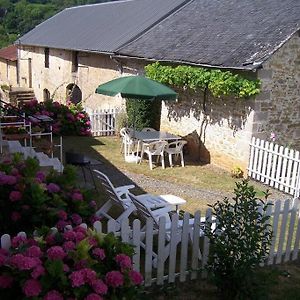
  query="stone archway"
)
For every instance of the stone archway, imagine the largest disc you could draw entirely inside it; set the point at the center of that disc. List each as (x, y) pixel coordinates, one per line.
(73, 93)
(46, 95)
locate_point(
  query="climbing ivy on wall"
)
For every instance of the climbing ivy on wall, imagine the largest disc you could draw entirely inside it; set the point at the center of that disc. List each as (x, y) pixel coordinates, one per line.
(219, 83)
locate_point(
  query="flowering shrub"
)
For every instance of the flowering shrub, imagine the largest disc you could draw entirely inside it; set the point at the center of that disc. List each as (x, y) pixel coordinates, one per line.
(68, 119)
(30, 199)
(76, 264)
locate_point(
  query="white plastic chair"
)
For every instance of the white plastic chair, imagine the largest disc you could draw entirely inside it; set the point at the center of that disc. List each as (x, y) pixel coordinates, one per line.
(128, 143)
(148, 129)
(154, 148)
(175, 148)
(119, 196)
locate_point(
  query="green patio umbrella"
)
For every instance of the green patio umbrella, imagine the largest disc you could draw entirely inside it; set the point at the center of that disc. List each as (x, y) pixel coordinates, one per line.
(136, 87)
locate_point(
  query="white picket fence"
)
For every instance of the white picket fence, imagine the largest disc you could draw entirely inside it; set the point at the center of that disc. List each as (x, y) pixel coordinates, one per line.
(275, 165)
(103, 121)
(161, 258)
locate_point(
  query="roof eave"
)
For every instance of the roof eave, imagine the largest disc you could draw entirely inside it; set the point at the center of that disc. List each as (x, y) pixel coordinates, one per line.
(68, 49)
(246, 68)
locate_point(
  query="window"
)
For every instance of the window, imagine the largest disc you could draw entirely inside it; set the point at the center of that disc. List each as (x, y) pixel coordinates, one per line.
(46, 57)
(74, 61)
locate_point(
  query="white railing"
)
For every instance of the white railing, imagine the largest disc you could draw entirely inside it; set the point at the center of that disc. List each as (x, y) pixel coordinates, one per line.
(161, 258)
(103, 121)
(275, 165)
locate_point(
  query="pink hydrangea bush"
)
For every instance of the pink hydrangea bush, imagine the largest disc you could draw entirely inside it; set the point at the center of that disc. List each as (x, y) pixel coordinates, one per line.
(69, 119)
(75, 264)
(30, 199)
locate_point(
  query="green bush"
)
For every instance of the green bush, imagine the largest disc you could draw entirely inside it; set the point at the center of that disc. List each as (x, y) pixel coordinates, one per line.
(239, 243)
(143, 113)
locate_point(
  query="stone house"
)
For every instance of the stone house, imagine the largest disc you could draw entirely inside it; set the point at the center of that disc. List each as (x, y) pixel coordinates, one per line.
(82, 47)
(9, 65)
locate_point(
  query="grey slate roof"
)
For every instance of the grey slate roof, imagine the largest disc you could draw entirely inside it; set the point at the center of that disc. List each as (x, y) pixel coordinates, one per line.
(223, 33)
(100, 27)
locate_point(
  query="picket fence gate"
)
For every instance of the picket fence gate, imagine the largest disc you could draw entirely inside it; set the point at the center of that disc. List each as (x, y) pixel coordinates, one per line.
(103, 121)
(186, 259)
(275, 165)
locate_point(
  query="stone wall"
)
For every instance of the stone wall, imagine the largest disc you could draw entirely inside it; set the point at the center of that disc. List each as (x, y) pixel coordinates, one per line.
(8, 72)
(278, 106)
(93, 69)
(224, 128)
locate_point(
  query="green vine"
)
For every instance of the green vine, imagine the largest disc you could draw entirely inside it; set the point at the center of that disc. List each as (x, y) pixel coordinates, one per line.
(219, 83)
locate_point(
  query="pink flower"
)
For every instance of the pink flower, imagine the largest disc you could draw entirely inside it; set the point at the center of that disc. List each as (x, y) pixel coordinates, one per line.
(135, 277)
(53, 188)
(93, 296)
(99, 287)
(62, 215)
(15, 196)
(32, 288)
(3, 259)
(18, 240)
(77, 196)
(7, 179)
(76, 219)
(99, 253)
(68, 246)
(124, 261)
(79, 236)
(34, 251)
(53, 295)
(69, 235)
(37, 272)
(15, 216)
(5, 281)
(61, 224)
(89, 275)
(23, 262)
(93, 242)
(273, 137)
(77, 278)
(56, 252)
(40, 175)
(114, 279)
(50, 239)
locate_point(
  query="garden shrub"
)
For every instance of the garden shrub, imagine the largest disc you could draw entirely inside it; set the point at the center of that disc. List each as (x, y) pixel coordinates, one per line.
(143, 113)
(239, 243)
(68, 119)
(75, 264)
(30, 199)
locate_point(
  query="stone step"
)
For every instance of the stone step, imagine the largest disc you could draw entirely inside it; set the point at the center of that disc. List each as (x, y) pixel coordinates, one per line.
(14, 146)
(44, 159)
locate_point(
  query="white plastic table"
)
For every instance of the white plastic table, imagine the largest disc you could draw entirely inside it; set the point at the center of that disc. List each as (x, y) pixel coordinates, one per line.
(161, 200)
(151, 136)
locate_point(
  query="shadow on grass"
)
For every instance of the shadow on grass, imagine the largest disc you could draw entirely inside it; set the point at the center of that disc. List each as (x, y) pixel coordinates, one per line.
(85, 145)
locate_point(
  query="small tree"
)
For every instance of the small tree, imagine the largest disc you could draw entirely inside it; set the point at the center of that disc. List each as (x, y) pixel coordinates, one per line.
(239, 243)
(143, 113)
